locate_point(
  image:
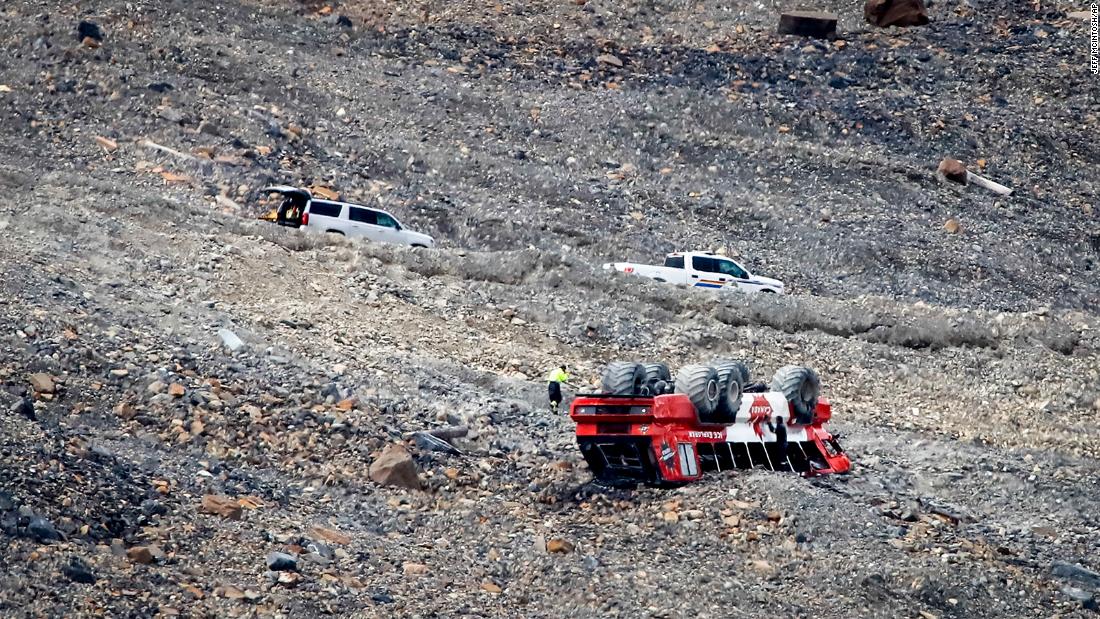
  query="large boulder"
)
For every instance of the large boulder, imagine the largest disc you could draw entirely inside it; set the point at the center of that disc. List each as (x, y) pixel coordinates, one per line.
(904, 13)
(395, 467)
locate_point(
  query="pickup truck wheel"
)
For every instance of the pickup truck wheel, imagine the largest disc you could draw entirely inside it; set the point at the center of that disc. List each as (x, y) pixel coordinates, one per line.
(420, 246)
(768, 290)
(657, 377)
(802, 387)
(335, 232)
(623, 378)
(732, 378)
(700, 384)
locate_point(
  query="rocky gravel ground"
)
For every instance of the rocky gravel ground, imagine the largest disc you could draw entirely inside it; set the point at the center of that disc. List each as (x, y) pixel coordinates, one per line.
(154, 466)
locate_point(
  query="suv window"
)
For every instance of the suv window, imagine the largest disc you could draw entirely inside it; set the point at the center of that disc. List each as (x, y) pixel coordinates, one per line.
(387, 221)
(325, 209)
(674, 262)
(362, 215)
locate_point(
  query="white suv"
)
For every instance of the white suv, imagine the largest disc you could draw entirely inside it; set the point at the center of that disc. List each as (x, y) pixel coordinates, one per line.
(301, 210)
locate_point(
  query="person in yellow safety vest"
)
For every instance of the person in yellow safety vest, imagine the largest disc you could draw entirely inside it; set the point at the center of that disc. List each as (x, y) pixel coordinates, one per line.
(555, 379)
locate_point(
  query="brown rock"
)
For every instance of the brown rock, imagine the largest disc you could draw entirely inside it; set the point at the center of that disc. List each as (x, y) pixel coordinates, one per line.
(414, 569)
(904, 13)
(610, 59)
(952, 226)
(229, 592)
(288, 579)
(145, 554)
(41, 382)
(90, 42)
(222, 506)
(319, 190)
(125, 410)
(808, 24)
(107, 144)
(560, 546)
(176, 390)
(331, 535)
(395, 467)
(762, 567)
(953, 170)
(491, 587)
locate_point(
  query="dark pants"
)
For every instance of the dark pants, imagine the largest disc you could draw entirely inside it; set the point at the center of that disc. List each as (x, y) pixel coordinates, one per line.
(555, 393)
(781, 442)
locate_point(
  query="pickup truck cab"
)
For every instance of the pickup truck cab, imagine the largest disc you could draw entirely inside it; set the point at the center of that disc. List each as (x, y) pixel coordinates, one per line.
(300, 209)
(702, 270)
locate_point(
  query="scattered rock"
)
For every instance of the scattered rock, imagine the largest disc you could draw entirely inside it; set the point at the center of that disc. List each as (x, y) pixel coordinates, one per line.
(41, 382)
(222, 506)
(230, 340)
(429, 442)
(282, 562)
(338, 19)
(176, 390)
(813, 24)
(395, 467)
(25, 408)
(331, 535)
(106, 144)
(491, 587)
(952, 226)
(43, 530)
(1075, 572)
(903, 13)
(560, 546)
(78, 571)
(610, 59)
(88, 30)
(145, 554)
(153, 507)
(1082, 597)
(953, 170)
(762, 567)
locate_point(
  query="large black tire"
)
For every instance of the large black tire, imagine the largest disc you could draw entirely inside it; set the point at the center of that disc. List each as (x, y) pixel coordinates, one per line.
(657, 377)
(801, 386)
(623, 378)
(700, 384)
(742, 368)
(732, 378)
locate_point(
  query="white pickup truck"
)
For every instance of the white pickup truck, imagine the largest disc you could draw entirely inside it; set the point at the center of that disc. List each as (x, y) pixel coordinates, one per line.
(702, 270)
